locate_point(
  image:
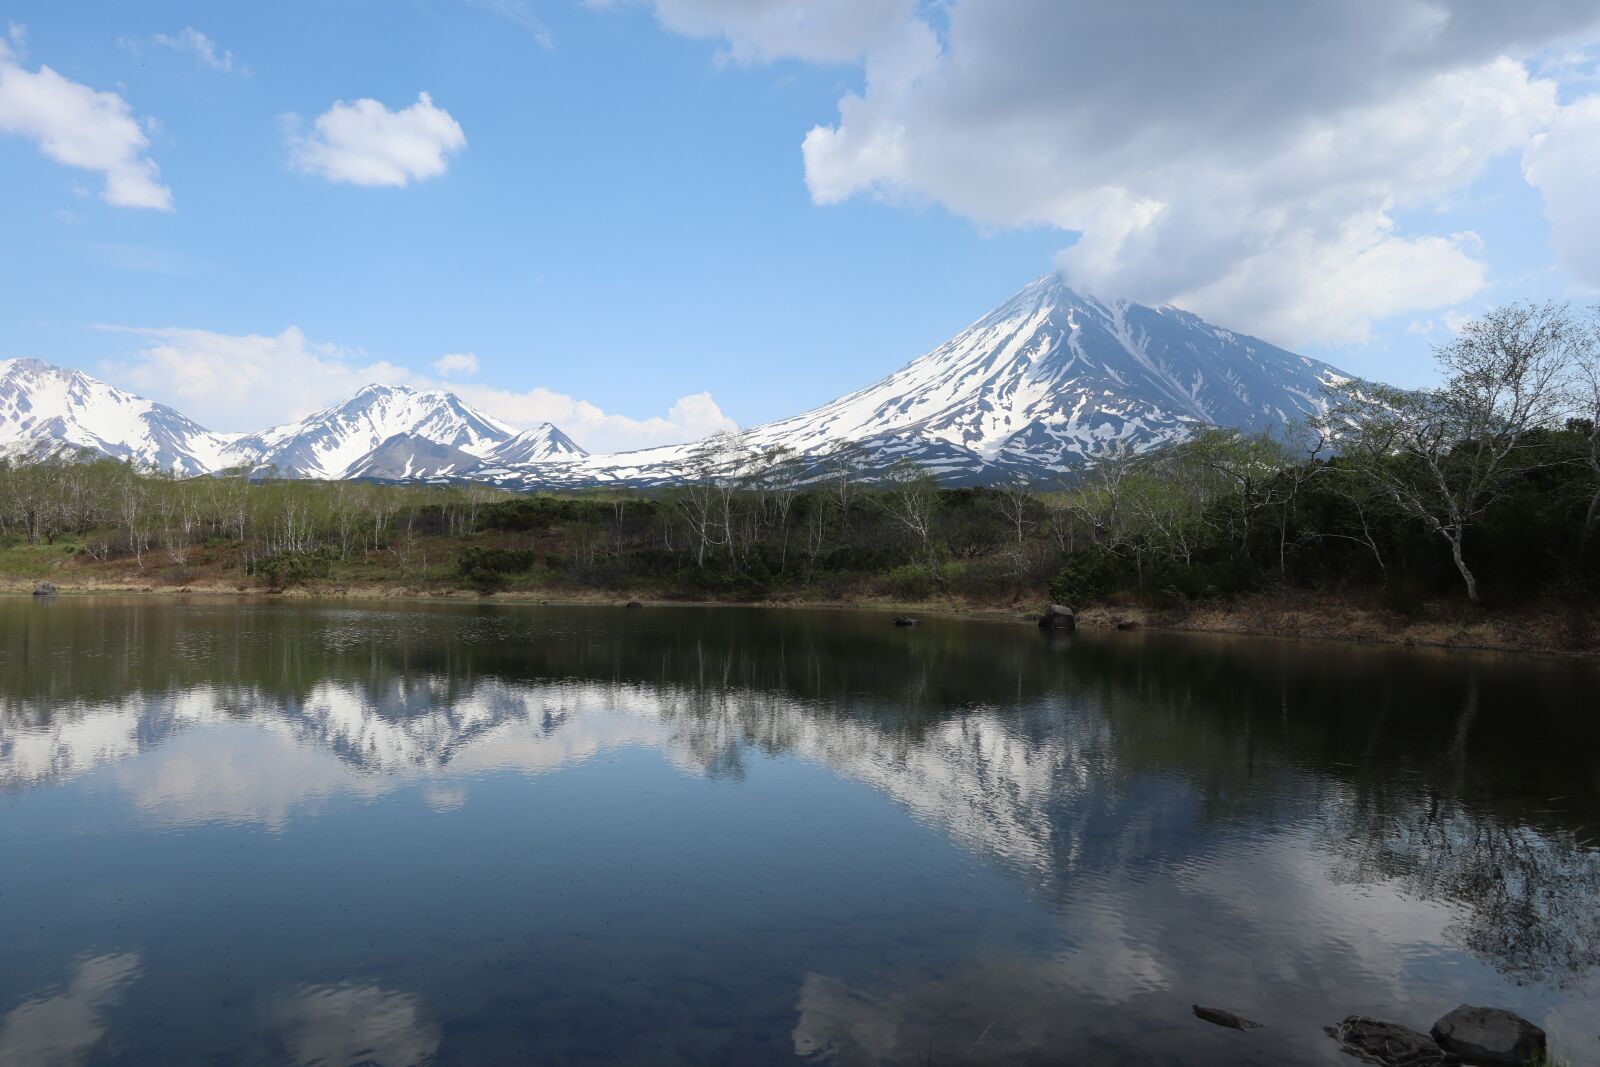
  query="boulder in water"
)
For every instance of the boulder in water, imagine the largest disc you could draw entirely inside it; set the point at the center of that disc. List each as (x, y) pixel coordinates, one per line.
(905, 620)
(633, 604)
(45, 589)
(1489, 1036)
(1225, 1018)
(1058, 617)
(1389, 1044)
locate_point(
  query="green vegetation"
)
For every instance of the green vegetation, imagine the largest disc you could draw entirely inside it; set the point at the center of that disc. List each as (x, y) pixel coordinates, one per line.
(1486, 489)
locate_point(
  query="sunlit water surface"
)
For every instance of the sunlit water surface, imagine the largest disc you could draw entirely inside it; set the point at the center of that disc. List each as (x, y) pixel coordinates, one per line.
(475, 834)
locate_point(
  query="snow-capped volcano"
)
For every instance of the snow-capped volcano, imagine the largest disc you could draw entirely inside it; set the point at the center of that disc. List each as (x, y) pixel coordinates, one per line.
(328, 444)
(48, 407)
(1052, 379)
(1046, 383)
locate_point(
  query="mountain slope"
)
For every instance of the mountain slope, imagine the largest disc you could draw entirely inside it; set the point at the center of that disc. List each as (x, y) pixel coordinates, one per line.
(540, 444)
(45, 406)
(408, 456)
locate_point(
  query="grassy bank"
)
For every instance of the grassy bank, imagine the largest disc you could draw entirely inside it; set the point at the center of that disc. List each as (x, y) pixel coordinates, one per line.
(434, 572)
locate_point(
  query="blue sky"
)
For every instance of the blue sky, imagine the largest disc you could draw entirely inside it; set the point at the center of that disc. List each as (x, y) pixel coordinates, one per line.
(627, 216)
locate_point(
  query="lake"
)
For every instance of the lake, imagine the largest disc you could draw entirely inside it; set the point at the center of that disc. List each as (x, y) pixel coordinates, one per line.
(404, 834)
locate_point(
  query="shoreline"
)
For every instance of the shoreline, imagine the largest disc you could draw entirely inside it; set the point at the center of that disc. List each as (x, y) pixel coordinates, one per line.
(1543, 633)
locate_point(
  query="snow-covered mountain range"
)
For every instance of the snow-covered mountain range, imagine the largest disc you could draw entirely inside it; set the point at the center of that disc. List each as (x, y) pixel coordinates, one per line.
(386, 432)
(1045, 383)
(329, 443)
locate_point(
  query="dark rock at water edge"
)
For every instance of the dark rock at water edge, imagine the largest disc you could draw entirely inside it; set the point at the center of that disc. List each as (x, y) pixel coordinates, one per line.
(1225, 1018)
(1127, 624)
(1489, 1037)
(45, 589)
(633, 604)
(905, 620)
(1388, 1043)
(1057, 617)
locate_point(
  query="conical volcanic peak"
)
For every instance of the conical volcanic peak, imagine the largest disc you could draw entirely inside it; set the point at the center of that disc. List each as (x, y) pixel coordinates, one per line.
(1052, 378)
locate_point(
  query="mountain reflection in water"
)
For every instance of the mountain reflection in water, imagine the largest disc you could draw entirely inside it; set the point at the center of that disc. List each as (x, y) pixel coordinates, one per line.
(1307, 830)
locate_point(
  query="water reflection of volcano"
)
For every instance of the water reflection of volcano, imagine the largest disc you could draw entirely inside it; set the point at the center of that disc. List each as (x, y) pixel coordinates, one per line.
(1051, 761)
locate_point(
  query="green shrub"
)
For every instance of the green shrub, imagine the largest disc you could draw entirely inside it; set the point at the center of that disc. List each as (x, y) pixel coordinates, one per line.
(912, 581)
(1091, 575)
(284, 569)
(488, 568)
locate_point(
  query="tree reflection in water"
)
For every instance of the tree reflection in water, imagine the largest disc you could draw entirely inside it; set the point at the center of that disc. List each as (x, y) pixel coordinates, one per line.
(1429, 772)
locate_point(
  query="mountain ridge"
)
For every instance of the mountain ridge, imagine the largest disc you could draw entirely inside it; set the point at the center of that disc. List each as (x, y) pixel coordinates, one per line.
(48, 407)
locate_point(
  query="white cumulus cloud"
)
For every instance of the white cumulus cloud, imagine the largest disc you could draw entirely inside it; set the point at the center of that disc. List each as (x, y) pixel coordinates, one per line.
(364, 143)
(80, 127)
(1564, 164)
(690, 418)
(1263, 164)
(247, 382)
(456, 363)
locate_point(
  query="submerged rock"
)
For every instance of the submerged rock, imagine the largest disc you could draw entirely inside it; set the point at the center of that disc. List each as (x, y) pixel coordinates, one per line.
(1225, 1018)
(1388, 1043)
(1057, 617)
(905, 620)
(1489, 1036)
(45, 589)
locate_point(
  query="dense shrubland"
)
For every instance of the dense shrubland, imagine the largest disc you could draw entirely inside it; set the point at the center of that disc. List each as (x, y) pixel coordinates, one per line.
(1486, 488)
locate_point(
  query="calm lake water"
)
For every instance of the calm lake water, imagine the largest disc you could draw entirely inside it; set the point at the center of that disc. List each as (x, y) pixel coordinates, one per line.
(480, 834)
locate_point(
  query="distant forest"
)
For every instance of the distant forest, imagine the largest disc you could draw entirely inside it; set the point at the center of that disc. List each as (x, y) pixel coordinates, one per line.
(1485, 488)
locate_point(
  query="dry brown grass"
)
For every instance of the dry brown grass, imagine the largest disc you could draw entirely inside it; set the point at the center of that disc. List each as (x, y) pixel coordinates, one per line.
(1552, 629)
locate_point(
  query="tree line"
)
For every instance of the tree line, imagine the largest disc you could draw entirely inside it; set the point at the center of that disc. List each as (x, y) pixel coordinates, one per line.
(1485, 485)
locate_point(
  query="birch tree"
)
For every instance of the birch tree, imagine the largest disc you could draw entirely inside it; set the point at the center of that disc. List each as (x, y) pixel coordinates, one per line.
(1443, 456)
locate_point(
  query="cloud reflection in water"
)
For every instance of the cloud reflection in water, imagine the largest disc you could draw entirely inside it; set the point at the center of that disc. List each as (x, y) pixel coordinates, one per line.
(356, 1026)
(61, 1029)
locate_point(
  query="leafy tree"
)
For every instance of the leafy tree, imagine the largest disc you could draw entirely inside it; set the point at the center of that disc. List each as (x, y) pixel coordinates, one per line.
(1443, 456)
